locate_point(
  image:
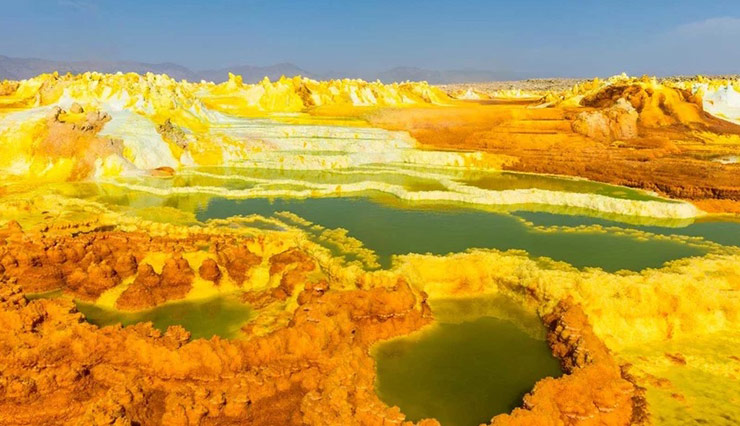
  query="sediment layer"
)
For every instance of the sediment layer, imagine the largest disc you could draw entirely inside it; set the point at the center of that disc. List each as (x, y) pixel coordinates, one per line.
(631, 132)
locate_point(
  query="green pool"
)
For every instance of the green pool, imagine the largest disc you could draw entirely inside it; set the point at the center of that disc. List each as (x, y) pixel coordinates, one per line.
(221, 316)
(390, 230)
(464, 373)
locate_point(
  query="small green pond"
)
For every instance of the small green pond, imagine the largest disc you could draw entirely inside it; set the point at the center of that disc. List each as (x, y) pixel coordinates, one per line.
(220, 316)
(462, 374)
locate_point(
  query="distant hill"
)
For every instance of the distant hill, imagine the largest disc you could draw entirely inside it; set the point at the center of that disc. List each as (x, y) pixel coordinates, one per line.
(22, 68)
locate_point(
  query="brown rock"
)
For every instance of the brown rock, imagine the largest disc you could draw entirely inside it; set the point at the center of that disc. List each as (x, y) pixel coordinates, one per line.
(618, 122)
(163, 171)
(210, 271)
(237, 260)
(595, 389)
(150, 289)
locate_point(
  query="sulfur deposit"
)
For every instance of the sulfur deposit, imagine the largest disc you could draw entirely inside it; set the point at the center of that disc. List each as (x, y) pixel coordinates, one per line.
(126, 195)
(626, 131)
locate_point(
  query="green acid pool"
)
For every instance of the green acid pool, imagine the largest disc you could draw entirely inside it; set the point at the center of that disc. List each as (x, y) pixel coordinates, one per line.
(389, 230)
(388, 226)
(221, 316)
(464, 373)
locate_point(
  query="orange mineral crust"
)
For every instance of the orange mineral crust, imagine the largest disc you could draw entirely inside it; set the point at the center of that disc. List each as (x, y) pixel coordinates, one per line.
(314, 368)
(86, 265)
(635, 134)
(596, 391)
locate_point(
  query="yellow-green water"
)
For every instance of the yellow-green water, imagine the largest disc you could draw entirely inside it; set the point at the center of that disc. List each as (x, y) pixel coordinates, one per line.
(221, 316)
(507, 180)
(389, 230)
(464, 373)
(388, 226)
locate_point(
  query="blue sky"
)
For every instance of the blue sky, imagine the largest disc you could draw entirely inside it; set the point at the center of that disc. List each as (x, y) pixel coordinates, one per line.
(542, 38)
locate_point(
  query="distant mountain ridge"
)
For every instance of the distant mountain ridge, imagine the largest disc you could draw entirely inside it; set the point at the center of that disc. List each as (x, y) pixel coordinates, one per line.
(23, 68)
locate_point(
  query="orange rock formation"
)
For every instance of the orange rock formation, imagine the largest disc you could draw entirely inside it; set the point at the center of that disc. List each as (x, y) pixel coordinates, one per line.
(595, 389)
(151, 289)
(314, 368)
(657, 139)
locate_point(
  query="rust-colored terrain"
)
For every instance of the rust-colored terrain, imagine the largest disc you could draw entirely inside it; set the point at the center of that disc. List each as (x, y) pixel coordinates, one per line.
(316, 369)
(625, 134)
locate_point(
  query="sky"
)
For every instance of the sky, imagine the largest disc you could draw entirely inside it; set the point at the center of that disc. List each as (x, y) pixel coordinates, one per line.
(582, 38)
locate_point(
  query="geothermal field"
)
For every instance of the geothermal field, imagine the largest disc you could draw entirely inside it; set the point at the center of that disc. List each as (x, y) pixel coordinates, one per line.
(342, 252)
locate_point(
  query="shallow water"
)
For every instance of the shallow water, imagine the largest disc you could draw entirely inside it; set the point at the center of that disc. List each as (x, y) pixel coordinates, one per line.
(499, 181)
(461, 374)
(221, 316)
(246, 178)
(389, 230)
(389, 226)
(724, 232)
(410, 176)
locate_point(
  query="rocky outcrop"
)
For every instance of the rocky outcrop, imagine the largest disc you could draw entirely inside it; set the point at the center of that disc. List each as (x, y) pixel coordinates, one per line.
(173, 134)
(618, 122)
(8, 88)
(593, 391)
(150, 289)
(72, 136)
(88, 264)
(293, 265)
(210, 271)
(237, 260)
(315, 370)
(85, 265)
(657, 105)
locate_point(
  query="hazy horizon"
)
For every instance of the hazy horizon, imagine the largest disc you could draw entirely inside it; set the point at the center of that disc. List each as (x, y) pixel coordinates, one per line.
(532, 38)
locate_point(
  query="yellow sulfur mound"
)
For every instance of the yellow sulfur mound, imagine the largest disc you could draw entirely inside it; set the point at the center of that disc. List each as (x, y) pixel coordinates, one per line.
(156, 122)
